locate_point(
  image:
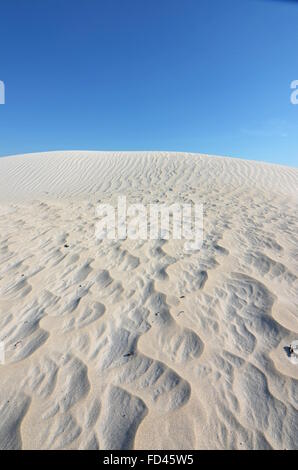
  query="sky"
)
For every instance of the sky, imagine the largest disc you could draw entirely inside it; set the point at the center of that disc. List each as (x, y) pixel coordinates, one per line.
(207, 76)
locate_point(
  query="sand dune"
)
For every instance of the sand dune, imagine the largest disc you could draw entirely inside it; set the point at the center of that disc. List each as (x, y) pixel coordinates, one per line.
(119, 344)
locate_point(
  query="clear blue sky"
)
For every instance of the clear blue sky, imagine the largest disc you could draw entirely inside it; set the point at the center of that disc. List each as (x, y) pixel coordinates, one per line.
(210, 76)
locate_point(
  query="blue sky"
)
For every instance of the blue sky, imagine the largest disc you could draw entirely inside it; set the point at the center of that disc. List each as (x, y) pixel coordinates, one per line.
(210, 76)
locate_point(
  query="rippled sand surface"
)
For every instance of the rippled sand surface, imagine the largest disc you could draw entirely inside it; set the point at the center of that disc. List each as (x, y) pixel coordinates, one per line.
(137, 343)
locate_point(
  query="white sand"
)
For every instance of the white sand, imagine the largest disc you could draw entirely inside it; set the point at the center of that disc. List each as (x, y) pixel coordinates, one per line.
(137, 344)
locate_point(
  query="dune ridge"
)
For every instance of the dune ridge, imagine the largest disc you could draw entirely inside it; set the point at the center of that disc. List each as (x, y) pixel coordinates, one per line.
(119, 344)
(63, 174)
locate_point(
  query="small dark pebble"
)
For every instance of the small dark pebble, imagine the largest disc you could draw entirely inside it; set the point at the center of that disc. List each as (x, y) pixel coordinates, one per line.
(128, 354)
(182, 296)
(66, 246)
